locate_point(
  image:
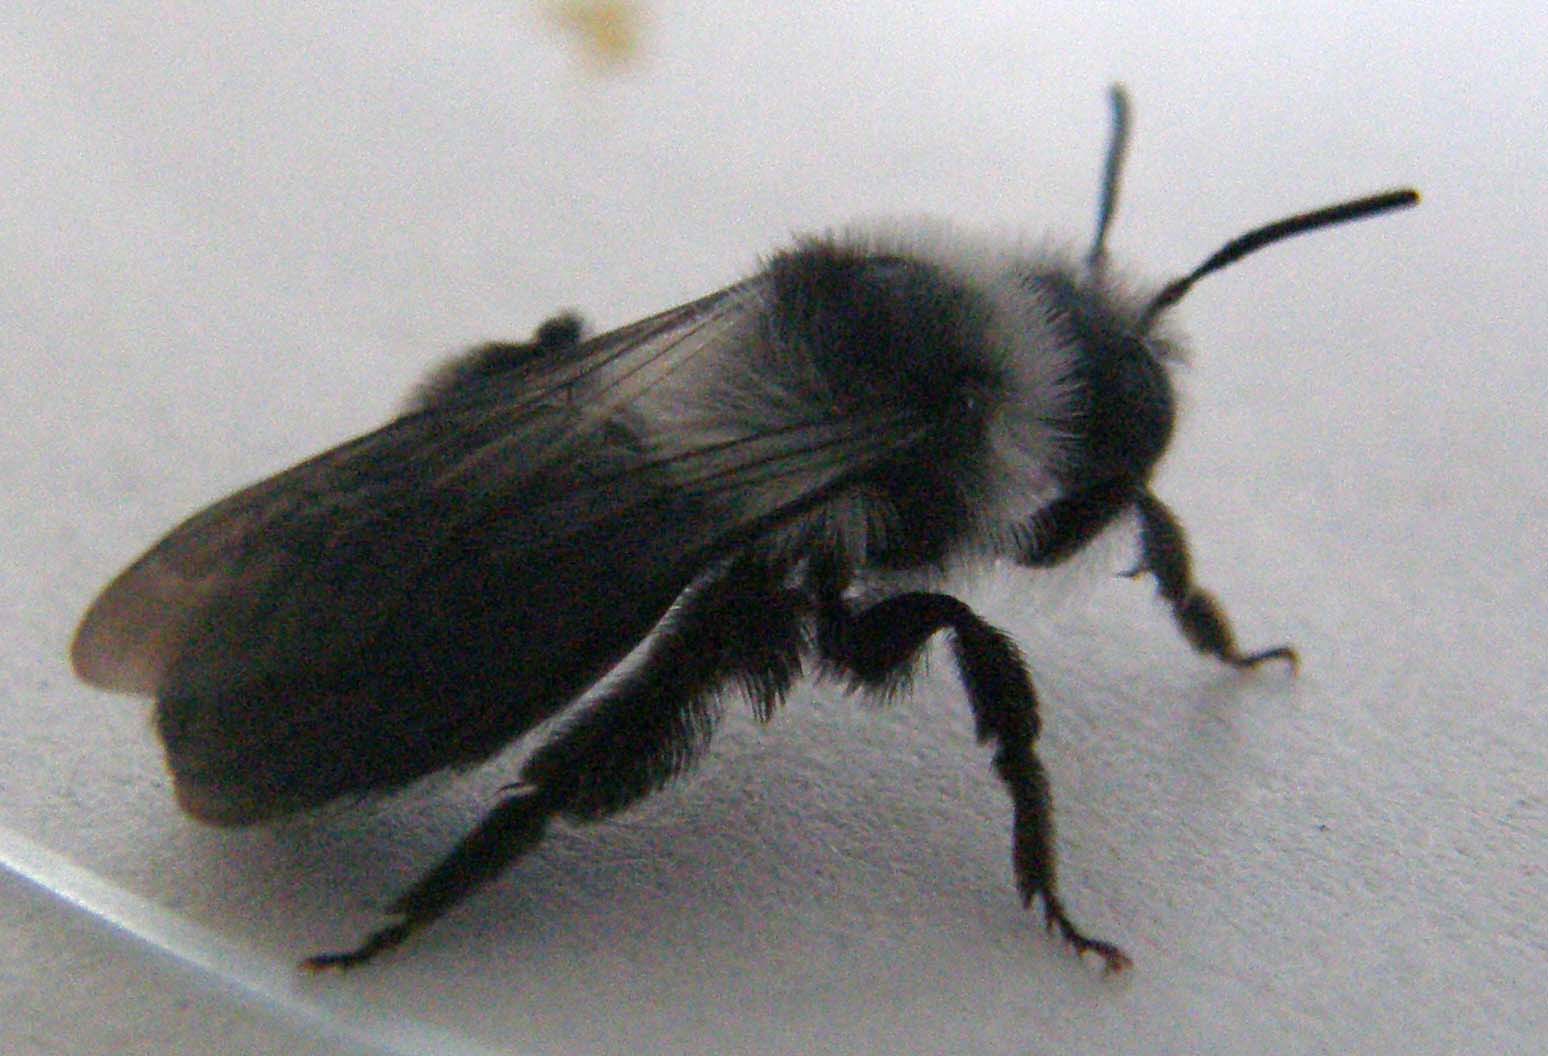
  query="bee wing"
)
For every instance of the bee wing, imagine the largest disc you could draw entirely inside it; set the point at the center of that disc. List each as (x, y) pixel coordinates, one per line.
(417, 597)
(326, 510)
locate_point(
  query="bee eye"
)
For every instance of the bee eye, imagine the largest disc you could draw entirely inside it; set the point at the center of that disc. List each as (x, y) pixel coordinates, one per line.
(1128, 409)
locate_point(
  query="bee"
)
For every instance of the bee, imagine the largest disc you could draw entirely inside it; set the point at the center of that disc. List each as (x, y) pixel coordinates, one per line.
(768, 481)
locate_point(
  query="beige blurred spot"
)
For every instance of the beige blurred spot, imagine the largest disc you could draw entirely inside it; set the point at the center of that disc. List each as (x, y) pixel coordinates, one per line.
(607, 31)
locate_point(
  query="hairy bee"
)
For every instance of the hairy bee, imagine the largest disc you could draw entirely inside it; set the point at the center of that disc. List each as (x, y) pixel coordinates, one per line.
(750, 484)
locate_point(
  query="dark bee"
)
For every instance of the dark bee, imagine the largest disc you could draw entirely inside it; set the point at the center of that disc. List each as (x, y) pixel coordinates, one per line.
(753, 485)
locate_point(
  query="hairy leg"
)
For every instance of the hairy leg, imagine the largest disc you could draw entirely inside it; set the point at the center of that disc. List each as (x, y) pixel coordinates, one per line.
(879, 645)
(1164, 554)
(742, 630)
(1071, 522)
(467, 371)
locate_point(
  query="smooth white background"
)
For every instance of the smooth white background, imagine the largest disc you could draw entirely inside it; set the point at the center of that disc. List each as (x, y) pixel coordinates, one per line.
(231, 237)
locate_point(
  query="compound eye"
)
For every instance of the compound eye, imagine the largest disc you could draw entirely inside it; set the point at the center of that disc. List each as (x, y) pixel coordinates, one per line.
(1129, 409)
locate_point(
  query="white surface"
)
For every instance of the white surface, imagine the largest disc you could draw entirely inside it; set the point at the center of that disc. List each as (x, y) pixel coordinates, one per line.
(232, 238)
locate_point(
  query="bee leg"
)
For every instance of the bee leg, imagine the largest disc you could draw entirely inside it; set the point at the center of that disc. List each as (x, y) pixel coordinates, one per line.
(743, 629)
(466, 371)
(1164, 554)
(1072, 522)
(880, 644)
(507, 832)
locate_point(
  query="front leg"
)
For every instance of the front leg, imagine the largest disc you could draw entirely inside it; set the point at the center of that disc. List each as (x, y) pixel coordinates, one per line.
(1164, 554)
(1068, 524)
(880, 645)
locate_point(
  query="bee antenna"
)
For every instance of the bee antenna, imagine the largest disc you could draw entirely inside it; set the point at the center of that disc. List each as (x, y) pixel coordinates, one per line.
(1268, 234)
(1112, 176)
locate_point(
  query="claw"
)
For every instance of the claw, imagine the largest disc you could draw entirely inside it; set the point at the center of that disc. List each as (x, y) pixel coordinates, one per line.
(383, 939)
(1279, 652)
(1114, 960)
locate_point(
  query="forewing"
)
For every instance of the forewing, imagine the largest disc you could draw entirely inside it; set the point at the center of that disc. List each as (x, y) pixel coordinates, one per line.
(417, 597)
(472, 451)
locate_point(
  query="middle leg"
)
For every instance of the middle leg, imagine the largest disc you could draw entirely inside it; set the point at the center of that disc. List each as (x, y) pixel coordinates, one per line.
(881, 644)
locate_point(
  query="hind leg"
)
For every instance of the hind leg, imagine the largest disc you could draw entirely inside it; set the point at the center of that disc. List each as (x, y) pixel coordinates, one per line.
(467, 371)
(742, 630)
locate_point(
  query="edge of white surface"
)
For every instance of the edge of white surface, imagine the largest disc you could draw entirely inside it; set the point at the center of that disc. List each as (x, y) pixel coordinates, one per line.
(218, 963)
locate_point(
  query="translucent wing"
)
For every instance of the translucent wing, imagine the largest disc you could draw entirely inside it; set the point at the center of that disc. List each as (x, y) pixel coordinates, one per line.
(417, 597)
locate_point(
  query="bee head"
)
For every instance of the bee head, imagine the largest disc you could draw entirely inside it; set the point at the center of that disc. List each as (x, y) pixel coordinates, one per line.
(1122, 407)
(1126, 407)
